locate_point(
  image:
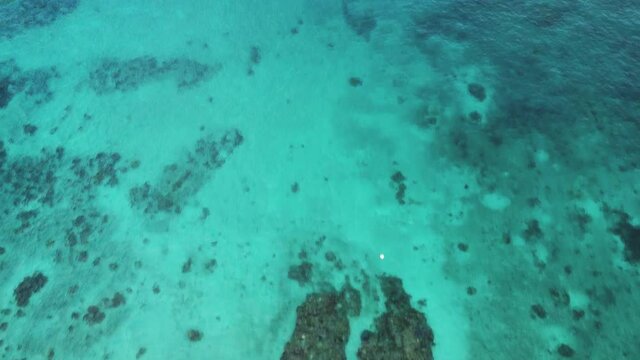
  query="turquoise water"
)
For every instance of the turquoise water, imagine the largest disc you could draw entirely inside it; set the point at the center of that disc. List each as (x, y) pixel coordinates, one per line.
(326, 179)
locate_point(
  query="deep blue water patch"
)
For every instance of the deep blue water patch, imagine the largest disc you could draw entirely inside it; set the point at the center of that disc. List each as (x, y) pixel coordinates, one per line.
(552, 61)
(545, 52)
(20, 15)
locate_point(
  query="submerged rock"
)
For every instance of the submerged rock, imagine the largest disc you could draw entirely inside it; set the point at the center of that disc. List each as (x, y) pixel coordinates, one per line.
(322, 329)
(401, 332)
(322, 326)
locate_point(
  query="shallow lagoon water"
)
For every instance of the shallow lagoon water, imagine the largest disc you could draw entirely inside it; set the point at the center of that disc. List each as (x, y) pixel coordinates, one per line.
(269, 179)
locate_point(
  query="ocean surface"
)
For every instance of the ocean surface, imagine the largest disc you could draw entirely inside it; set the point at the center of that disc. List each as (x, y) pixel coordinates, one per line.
(319, 179)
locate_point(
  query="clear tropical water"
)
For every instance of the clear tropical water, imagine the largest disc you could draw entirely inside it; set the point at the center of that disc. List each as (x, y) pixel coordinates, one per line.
(365, 179)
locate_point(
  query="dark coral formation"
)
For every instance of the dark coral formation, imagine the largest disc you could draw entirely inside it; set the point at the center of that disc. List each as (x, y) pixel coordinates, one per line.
(44, 181)
(38, 178)
(538, 311)
(351, 300)
(184, 178)
(115, 75)
(35, 84)
(48, 212)
(194, 335)
(355, 81)
(560, 297)
(123, 75)
(20, 15)
(475, 116)
(30, 178)
(3, 156)
(627, 232)
(322, 326)
(94, 315)
(565, 350)
(188, 73)
(255, 55)
(533, 231)
(25, 218)
(301, 273)
(6, 94)
(401, 332)
(99, 170)
(359, 18)
(398, 180)
(477, 91)
(116, 301)
(29, 129)
(29, 286)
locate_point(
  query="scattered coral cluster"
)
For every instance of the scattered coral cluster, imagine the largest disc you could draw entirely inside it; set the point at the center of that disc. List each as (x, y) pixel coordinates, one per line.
(182, 179)
(17, 16)
(33, 83)
(112, 75)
